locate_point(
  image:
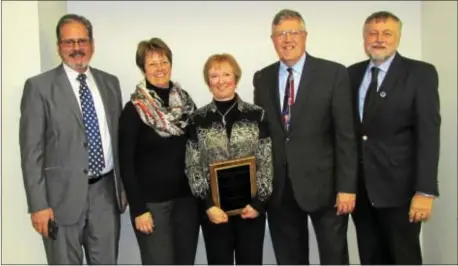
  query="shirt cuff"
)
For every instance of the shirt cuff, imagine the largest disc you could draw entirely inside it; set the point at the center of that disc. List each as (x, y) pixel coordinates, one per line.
(425, 194)
(208, 201)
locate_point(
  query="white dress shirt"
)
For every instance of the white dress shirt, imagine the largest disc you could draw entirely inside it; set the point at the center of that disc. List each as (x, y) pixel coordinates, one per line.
(100, 110)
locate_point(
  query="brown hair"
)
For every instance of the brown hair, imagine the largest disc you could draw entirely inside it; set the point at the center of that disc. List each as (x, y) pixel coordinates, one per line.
(222, 58)
(155, 45)
(69, 18)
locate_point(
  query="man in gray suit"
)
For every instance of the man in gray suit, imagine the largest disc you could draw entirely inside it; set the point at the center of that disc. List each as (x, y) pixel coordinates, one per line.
(68, 141)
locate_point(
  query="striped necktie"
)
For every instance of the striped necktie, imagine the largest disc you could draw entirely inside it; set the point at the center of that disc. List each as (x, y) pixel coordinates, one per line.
(288, 99)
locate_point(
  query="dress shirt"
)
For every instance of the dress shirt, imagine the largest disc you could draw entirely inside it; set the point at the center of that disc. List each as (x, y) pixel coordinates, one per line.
(283, 77)
(367, 80)
(99, 107)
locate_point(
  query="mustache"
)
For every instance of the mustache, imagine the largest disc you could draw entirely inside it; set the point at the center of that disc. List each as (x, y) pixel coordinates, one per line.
(77, 52)
(378, 45)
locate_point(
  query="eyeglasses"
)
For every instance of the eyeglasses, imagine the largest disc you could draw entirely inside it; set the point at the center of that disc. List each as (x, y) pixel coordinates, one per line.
(283, 34)
(72, 42)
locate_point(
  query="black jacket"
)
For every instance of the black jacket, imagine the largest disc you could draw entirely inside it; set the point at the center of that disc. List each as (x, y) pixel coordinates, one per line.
(399, 138)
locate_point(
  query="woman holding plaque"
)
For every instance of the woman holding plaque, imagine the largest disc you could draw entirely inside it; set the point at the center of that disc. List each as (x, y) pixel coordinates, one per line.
(226, 131)
(152, 143)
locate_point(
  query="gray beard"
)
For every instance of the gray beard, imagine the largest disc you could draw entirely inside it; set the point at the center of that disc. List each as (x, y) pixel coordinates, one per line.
(379, 58)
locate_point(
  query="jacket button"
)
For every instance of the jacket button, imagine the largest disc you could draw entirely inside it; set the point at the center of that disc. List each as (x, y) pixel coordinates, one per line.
(85, 144)
(85, 171)
(287, 139)
(364, 137)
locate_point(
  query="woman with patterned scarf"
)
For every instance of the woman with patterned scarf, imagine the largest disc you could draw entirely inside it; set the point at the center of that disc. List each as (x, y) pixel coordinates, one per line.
(228, 129)
(152, 140)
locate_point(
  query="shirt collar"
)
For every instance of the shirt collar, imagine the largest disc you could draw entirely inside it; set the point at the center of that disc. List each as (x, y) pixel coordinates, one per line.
(384, 66)
(72, 74)
(296, 68)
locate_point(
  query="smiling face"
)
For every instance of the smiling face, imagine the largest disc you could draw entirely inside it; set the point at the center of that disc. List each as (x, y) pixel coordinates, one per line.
(157, 69)
(222, 81)
(289, 38)
(381, 39)
(75, 48)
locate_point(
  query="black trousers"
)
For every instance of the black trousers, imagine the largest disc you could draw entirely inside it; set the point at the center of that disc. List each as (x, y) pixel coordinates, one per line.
(176, 233)
(385, 235)
(288, 226)
(244, 237)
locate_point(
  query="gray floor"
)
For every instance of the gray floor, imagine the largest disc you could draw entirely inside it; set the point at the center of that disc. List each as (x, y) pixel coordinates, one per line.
(129, 253)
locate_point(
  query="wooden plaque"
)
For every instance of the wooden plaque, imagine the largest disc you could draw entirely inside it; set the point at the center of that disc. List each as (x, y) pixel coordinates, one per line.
(233, 184)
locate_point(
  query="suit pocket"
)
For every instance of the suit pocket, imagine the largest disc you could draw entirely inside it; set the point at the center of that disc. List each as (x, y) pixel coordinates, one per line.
(400, 157)
(319, 187)
(56, 184)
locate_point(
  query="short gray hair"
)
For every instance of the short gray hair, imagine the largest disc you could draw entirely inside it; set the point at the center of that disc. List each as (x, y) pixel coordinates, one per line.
(382, 16)
(69, 18)
(287, 14)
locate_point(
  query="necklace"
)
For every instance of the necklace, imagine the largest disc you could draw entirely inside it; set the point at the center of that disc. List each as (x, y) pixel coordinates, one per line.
(228, 110)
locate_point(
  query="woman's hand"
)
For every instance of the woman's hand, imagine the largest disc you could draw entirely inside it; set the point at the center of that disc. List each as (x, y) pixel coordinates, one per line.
(249, 212)
(144, 223)
(216, 215)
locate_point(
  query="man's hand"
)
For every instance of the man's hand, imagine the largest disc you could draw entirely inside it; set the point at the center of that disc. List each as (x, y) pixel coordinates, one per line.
(40, 221)
(345, 202)
(216, 215)
(144, 223)
(249, 212)
(420, 208)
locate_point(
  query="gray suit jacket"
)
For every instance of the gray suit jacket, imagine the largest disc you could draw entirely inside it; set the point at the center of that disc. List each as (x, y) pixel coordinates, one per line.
(53, 144)
(318, 153)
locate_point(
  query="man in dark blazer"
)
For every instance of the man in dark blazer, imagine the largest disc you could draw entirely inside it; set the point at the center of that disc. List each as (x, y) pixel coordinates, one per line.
(308, 105)
(397, 123)
(68, 142)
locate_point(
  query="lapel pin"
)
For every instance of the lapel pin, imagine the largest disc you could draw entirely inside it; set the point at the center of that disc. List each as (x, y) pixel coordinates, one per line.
(383, 94)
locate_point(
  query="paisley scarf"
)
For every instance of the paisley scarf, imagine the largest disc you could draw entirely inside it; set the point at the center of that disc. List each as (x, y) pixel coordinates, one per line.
(166, 121)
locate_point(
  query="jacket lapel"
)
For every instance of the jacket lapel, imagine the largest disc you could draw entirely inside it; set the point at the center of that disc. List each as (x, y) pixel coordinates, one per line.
(304, 87)
(104, 91)
(274, 92)
(357, 79)
(387, 87)
(66, 89)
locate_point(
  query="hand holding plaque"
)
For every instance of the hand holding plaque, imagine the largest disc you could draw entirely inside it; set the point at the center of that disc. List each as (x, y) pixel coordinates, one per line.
(216, 215)
(249, 212)
(233, 184)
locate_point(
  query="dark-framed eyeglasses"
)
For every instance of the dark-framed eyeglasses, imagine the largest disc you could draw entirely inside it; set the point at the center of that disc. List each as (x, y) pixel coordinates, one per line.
(71, 42)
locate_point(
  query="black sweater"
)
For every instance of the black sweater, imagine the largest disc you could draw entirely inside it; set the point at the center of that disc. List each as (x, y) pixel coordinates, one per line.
(205, 118)
(152, 167)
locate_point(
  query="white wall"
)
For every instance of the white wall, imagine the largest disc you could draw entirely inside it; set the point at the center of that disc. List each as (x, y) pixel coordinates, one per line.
(439, 47)
(17, 64)
(194, 30)
(49, 12)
